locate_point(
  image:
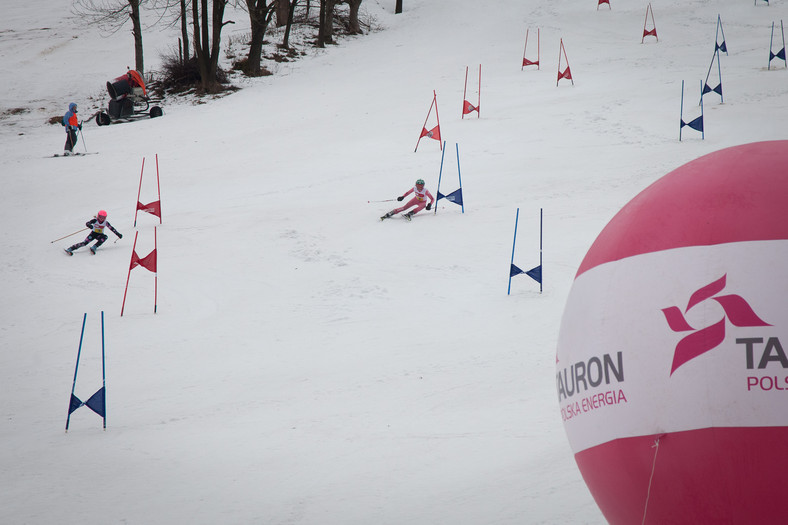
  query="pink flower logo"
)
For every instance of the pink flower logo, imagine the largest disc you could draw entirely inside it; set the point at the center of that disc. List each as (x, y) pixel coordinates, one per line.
(700, 341)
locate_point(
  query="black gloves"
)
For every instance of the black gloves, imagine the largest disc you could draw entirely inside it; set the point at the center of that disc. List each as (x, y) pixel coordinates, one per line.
(400, 197)
(88, 225)
(429, 205)
(120, 236)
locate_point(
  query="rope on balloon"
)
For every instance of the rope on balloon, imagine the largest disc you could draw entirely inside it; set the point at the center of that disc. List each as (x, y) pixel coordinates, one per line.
(655, 446)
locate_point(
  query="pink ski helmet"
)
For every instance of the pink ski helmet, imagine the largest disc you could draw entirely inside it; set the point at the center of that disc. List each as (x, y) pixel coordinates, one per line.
(101, 215)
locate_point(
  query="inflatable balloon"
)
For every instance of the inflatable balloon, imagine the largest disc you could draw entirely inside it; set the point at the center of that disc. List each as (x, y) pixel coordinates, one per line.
(672, 359)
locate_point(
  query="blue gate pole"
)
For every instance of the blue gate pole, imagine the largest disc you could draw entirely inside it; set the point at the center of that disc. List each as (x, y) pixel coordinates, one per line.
(771, 41)
(440, 173)
(703, 129)
(76, 368)
(681, 121)
(540, 251)
(462, 204)
(516, 218)
(103, 371)
(719, 72)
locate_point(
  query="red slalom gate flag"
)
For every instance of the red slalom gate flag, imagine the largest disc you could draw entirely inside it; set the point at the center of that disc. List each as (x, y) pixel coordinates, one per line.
(566, 73)
(154, 208)
(148, 262)
(653, 30)
(468, 108)
(526, 61)
(435, 132)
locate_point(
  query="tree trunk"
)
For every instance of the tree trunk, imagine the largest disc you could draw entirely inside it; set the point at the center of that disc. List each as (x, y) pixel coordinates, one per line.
(355, 28)
(321, 36)
(290, 15)
(282, 12)
(327, 20)
(139, 63)
(184, 32)
(218, 23)
(398, 7)
(199, 43)
(260, 13)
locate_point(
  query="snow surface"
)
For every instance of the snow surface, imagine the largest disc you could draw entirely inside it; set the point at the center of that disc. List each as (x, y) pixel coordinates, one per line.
(308, 363)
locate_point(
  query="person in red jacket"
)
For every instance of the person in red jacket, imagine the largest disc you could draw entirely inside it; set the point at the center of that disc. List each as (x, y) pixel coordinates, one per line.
(420, 196)
(72, 124)
(97, 225)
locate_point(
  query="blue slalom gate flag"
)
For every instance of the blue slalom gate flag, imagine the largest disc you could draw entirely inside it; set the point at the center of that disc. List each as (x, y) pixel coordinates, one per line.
(534, 273)
(706, 87)
(696, 123)
(98, 401)
(455, 196)
(717, 45)
(781, 53)
(75, 404)
(514, 270)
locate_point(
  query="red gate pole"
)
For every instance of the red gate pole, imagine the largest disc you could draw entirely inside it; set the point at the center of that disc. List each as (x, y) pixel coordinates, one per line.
(156, 274)
(133, 251)
(158, 185)
(425, 120)
(437, 117)
(464, 91)
(136, 204)
(479, 100)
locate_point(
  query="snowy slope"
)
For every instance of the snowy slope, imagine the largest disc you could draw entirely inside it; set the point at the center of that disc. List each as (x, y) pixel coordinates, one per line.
(308, 363)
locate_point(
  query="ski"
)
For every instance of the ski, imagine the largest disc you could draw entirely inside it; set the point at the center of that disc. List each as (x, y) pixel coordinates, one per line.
(74, 154)
(407, 216)
(67, 251)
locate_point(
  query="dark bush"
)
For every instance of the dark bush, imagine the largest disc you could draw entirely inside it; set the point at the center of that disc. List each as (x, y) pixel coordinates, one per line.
(177, 76)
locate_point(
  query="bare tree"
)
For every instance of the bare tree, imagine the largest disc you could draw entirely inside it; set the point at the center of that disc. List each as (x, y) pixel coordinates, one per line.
(260, 14)
(355, 27)
(207, 40)
(325, 32)
(111, 16)
(184, 32)
(327, 19)
(398, 7)
(290, 15)
(181, 18)
(282, 12)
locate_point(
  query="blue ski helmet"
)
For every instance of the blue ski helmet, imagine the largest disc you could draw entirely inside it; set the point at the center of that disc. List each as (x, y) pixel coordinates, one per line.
(72, 107)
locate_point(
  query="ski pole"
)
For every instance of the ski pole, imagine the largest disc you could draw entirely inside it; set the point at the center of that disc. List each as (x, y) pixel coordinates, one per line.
(69, 235)
(83, 138)
(387, 200)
